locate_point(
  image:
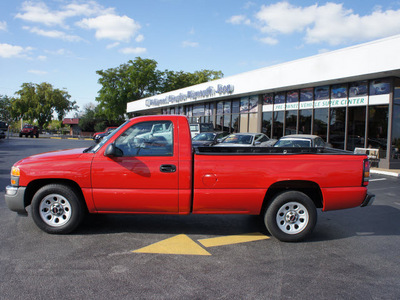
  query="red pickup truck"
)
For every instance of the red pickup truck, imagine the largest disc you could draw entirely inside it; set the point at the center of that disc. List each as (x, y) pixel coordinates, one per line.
(148, 166)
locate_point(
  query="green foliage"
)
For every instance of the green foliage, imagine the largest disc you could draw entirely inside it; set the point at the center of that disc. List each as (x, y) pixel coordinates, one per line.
(39, 102)
(178, 80)
(131, 81)
(139, 79)
(5, 109)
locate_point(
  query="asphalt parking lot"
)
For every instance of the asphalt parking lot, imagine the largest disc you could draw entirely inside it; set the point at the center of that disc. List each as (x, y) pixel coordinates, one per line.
(352, 254)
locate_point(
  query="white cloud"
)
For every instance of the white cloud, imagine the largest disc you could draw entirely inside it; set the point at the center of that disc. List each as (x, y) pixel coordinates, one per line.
(186, 44)
(8, 51)
(37, 72)
(268, 40)
(239, 19)
(3, 26)
(38, 12)
(113, 45)
(42, 57)
(112, 27)
(139, 38)
(330, 23)
(53, 34)
(137, 50)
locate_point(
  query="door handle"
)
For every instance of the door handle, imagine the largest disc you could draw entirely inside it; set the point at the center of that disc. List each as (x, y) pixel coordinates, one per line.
(168, 168)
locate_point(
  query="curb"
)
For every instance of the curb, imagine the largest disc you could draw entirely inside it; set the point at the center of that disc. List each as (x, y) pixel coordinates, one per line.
(394, 174)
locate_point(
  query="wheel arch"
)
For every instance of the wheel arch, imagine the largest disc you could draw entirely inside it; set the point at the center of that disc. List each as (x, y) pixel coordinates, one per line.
(310, 188)
(35, 185)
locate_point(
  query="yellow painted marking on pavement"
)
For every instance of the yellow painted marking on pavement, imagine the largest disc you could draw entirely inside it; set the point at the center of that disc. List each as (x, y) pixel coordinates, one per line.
(73, 139)
(180, 244)
(233, 239)
(55, 138)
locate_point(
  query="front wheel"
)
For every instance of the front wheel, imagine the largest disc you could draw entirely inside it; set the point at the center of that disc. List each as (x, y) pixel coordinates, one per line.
(57, 209)
(291, 216)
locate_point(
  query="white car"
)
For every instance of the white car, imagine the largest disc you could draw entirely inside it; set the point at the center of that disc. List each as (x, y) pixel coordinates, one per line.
(246, 140)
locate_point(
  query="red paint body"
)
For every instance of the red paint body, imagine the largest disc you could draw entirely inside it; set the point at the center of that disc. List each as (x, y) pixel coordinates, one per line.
(202, 183)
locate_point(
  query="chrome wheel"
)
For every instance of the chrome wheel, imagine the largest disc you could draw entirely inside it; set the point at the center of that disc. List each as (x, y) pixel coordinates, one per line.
(292, 218)
(55, 210)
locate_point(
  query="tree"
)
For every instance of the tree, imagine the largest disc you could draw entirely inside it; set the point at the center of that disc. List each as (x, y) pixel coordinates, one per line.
(178, 80)
(40, 101)
(5, 109)
(128, 82)
(139, 79)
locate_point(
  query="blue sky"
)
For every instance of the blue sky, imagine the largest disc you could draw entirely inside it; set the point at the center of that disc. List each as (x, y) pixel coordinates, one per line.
(64, 42)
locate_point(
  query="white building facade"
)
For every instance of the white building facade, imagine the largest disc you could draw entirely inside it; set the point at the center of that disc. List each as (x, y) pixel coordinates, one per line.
(349, 97)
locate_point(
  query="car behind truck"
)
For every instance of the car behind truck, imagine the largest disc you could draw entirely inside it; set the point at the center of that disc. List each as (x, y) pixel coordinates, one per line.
(140, 170)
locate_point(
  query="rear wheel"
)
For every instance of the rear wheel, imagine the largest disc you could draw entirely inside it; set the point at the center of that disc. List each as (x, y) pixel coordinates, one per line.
(291, 216)
(56, 208)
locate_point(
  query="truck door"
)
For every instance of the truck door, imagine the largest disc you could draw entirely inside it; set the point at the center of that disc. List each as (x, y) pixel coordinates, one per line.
(143, 176)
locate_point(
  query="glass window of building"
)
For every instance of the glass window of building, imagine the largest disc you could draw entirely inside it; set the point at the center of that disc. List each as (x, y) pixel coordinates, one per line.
(359, 88)
(356, 127)
(278, 124)
(279, 98)
(337, 127)
(378, 116)
(244, 105)
(267, 123)
(306, 94)
(380, 86)
(339, 91)
(321, 92)
(305, 119)
(395, 154)
(268, 99)
(291, 122)
(253, 104)
(292, 97)
(321, 122)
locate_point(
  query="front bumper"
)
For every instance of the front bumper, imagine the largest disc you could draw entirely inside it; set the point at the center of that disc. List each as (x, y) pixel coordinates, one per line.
(369, 199)
(15, 199)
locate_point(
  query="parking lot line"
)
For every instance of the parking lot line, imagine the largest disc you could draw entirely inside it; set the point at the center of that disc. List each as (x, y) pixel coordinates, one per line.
(233, 239)
(180, 244)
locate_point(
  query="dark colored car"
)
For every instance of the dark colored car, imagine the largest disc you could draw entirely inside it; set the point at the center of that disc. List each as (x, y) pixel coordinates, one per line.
(2, 134)
(301, 140)
(29, 130)
(206, 139)
(3, 126)
(97, 137)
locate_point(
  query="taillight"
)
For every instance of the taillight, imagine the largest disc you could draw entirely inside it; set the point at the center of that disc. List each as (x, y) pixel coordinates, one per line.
(366, 172)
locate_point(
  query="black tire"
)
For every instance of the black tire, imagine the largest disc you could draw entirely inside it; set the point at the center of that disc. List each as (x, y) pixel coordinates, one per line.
(20, 135)
(291, 216)
(57, 209)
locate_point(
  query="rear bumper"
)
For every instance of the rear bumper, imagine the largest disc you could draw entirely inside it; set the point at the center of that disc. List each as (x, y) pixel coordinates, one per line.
(14, 197)
(369, 199)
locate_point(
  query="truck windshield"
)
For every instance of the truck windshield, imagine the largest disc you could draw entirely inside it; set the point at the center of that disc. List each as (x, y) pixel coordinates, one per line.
(96, 147)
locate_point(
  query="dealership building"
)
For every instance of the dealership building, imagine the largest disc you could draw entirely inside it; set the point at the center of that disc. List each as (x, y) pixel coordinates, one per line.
(349, 97)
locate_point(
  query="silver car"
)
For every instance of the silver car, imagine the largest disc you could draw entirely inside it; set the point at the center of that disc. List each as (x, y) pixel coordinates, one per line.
(246, 140)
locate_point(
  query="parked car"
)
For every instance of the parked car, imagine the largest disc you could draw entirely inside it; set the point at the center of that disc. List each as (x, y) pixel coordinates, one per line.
(99, 135)
(247, 140)
(301, 140)
(195, 129)
(29, 130)
(208, 138)
(3, 126)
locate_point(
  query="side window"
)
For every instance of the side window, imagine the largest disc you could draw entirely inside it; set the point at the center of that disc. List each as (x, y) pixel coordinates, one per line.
(319, 142)
(153, 138)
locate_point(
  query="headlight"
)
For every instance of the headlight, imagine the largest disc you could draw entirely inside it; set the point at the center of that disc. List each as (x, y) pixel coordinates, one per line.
(15, 171)
(15, 174)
